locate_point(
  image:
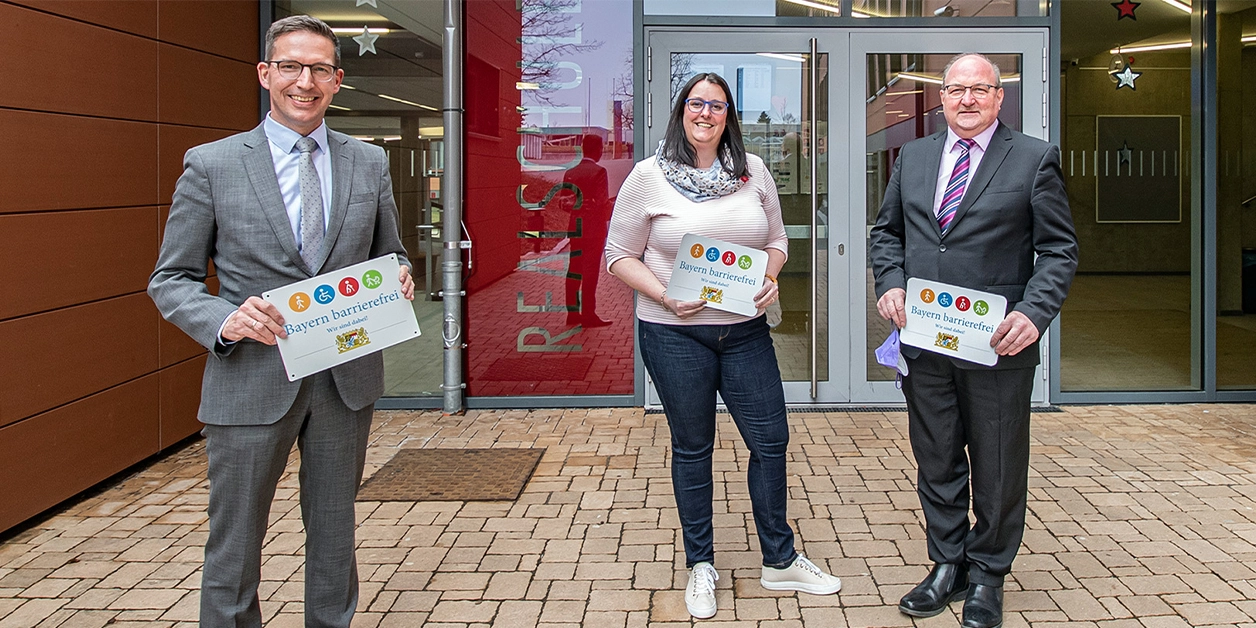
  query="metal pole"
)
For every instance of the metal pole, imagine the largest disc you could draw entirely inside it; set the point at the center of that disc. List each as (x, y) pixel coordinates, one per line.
(451, 232)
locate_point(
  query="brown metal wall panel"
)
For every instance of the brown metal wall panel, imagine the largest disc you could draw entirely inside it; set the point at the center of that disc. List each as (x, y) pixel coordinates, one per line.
(49, 458)
(223, 27)
(99, 72)
(53, 161)
(180, 398)
(50, 359)
(67, 246)
(133, 16)
(174, 141)
(185, 99)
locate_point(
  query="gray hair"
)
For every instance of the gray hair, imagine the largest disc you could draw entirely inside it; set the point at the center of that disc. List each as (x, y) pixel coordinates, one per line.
(998, 79)
(297, 23)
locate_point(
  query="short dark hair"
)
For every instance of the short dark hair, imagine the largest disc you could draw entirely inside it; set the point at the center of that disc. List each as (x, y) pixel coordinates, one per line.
(676, 146)
(295, 23)
(998, 79)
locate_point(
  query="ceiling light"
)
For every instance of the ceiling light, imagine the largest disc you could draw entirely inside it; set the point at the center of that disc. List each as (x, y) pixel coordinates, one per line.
(1150, 47)
(922, 78)
(1179, 5)
(406, 102)
(914, 91)
(816, 5)
(339, 107)
(785, 57)
(358, 31)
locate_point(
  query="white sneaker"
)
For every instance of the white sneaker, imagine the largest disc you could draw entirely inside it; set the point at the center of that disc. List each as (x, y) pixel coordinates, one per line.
(700, 593)
(802, 576)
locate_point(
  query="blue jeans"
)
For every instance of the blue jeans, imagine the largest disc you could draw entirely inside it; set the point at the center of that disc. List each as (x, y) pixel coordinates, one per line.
(689, 365)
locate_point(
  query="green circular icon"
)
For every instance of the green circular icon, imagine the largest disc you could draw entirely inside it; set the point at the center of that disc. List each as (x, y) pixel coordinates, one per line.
(372, 279)
(744, 262)
(981, 308)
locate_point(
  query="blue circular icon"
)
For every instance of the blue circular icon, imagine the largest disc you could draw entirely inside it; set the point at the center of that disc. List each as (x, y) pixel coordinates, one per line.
(324, 294)
(713, 254)
(945, 299)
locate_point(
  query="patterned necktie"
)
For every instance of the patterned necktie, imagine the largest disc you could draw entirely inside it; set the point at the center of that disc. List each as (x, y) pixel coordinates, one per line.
(955, 187)
(311, 203)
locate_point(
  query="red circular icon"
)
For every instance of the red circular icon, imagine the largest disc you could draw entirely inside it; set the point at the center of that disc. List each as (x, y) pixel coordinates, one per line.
(962, 304)
(348, 286)
(729, 259)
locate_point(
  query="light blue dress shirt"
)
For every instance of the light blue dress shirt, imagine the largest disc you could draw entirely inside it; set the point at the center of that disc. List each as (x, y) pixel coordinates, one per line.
(283, 151)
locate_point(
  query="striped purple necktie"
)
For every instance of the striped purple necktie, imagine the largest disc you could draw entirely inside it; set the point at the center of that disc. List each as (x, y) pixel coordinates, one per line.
(955, 187)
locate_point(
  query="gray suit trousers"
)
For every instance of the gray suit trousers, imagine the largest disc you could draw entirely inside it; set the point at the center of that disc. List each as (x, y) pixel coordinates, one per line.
(245, 464)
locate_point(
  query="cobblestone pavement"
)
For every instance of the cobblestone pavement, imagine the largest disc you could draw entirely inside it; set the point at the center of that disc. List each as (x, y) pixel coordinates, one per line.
(1139, 516)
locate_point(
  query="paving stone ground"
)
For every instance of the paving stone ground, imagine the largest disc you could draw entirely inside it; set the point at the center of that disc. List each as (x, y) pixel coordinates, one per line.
(1139, 516)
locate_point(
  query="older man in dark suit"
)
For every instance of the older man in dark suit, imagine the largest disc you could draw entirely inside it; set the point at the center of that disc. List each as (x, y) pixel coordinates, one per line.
(284, 202)
(979, 206)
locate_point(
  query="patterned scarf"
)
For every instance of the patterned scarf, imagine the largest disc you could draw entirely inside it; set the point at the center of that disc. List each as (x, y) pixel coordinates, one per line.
(697, 184)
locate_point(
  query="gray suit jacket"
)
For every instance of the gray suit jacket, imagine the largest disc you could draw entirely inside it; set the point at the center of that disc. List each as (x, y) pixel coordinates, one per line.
(227, 208)
(1012, 234)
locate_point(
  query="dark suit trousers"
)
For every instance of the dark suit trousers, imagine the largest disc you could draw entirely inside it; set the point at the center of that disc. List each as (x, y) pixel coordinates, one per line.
(987, 412)
(245, 464)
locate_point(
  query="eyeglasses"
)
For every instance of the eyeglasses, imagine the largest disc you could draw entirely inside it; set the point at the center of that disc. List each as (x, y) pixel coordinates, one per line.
(696, 105)
(980, 91)
(291, 70)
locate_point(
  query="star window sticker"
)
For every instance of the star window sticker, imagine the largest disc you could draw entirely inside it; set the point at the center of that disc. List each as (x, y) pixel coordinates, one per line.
(366, 43)
(1124, 155)
(370, 2)
(1126, 78)
(1124, 9)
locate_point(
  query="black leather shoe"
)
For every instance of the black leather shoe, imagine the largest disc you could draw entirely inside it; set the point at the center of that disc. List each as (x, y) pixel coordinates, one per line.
(983, 608)
(945, 584)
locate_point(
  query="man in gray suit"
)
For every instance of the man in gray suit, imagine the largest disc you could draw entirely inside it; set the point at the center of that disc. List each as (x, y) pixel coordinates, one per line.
(281, 203)
(1005, 229)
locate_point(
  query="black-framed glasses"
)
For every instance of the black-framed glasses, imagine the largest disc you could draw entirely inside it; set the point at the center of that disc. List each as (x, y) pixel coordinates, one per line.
(696, 105)
(291, 70)
(980, 91)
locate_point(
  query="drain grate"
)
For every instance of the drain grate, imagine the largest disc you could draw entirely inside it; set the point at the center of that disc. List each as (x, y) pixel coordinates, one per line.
(452, 475)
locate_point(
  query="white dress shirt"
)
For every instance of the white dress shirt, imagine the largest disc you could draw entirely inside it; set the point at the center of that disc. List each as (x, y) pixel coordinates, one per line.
(950, 154)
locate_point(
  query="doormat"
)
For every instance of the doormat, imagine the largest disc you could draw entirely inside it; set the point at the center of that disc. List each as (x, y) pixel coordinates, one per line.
(537, 369)
(447, 475)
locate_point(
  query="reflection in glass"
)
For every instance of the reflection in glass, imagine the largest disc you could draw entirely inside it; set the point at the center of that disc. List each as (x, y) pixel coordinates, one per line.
(1236, 199)
(762, 8)
(391, 98)
(944, 8)
(904, 102)
(1129, 323)
(772, 92)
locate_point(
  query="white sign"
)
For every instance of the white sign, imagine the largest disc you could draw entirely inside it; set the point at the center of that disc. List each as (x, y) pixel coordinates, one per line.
(725, 275)
(952, 320)
(342, 315)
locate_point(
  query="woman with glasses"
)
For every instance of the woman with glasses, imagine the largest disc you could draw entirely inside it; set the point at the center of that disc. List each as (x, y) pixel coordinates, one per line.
(703, 182)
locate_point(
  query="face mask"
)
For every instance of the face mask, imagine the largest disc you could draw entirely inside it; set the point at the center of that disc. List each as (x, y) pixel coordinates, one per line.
(889, 356)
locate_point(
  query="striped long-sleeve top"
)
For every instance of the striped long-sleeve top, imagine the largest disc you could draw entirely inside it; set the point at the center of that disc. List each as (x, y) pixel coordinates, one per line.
(651, 217)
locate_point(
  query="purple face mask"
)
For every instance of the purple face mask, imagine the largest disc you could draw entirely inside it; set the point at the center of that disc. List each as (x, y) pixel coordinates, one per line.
(889, 356)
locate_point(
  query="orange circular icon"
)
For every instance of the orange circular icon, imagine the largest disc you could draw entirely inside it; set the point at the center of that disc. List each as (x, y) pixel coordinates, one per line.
(299, 302)
(696, 251)
(926, 295)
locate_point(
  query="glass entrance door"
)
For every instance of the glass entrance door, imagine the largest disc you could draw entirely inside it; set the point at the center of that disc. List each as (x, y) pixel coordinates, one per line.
(827, 111)
(893, 98)
(781, 89)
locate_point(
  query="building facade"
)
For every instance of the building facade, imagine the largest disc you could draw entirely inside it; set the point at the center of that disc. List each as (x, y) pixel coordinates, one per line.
(1151, 102)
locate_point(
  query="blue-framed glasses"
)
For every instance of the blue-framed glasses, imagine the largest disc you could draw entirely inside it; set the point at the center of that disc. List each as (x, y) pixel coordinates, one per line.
(696, 105)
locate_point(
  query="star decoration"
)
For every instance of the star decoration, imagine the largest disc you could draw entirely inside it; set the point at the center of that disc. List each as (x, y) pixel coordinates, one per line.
(1125, 8)
(366, 43)
(1124, 155)
(370, 2)
(1126, 77)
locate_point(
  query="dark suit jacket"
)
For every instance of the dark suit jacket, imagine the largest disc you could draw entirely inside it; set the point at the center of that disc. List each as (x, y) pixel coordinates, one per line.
(1012, 234)
(227, 208)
